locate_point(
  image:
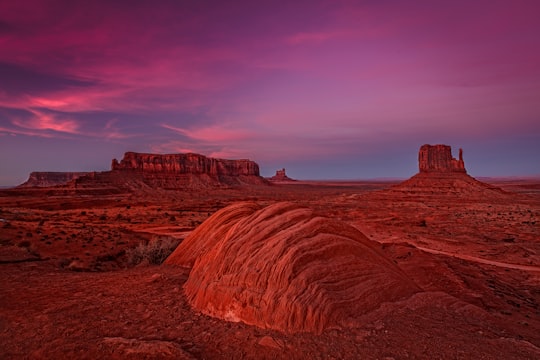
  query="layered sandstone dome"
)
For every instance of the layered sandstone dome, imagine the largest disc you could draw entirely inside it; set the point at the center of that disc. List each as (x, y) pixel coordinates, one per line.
(283, 267)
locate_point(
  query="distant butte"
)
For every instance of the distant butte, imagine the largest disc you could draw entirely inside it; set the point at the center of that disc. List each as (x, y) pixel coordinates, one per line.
(189, 163)
(138, 171)
(438, 158)
(177, 171)
(48, 178)
(440, 173)
(280, 176)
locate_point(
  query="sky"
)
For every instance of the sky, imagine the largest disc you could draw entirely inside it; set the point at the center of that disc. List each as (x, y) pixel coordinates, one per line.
(328, 89)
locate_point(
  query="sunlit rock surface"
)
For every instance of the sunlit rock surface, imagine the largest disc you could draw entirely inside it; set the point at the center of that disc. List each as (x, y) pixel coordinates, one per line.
(283, 267)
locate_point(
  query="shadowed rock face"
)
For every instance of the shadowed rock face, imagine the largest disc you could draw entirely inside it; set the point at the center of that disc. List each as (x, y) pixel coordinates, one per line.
(438, 158)
(282, 267)
(45, 179)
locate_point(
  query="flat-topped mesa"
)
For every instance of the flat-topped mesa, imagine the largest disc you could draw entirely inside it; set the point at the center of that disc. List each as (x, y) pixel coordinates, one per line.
(185, 164)
(438, 158)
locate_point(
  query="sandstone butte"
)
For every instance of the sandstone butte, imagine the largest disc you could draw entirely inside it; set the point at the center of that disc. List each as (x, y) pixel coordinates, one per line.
(138, 171)
(281, 176)
(173, 171)
(440, 173)
(282, 267)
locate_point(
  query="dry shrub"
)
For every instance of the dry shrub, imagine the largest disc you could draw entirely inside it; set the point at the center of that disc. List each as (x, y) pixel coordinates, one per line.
(153, 252)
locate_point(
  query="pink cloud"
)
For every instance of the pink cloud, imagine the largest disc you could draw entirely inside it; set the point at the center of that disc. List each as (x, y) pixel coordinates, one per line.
(218, 133)
(26, 132)
(43, 121)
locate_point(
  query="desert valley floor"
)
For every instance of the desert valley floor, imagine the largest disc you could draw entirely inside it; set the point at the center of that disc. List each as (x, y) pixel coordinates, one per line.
(71, 288)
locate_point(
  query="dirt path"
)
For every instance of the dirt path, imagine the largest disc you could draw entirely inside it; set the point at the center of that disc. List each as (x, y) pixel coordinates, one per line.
(480, 260)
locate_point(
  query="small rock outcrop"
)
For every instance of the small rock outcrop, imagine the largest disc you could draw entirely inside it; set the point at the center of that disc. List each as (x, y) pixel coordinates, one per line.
(285, 268)
(438, 158)
(281, 176)
(47, 178)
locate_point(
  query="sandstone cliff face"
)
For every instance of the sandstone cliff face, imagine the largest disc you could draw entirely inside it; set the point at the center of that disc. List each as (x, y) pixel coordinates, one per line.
(438, 158)
(282, 267)
(185, 164)
(185, 171)
(46, 179)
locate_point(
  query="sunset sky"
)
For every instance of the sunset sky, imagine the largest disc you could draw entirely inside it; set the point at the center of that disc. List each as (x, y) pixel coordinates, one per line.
(325, 88)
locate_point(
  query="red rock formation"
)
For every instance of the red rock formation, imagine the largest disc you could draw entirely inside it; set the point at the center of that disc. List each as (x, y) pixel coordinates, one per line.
(205, 237)
(185, 164)
(178, 171)
(438, 158)
(284, 268)
(442, 174)
(280, 176)
(147, 172)
(46, 179)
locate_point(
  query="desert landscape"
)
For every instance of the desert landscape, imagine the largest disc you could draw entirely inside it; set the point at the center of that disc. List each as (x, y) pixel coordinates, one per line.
(186, 257)
(322, 179)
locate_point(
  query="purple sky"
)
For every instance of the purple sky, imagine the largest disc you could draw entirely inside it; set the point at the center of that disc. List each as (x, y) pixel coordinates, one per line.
(326, 89)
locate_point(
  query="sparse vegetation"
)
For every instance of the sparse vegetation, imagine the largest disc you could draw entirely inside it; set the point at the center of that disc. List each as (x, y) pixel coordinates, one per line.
(153, 252)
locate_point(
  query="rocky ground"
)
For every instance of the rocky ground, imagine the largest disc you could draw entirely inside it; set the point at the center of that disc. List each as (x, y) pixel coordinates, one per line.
(71, 288)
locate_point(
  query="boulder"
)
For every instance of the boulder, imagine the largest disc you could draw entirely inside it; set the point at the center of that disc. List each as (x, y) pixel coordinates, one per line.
(285, 268)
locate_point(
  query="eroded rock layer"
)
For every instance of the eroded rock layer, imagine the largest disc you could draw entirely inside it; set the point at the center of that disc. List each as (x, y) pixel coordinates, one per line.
(149, 172)
(185, 164)
(283, 267)
(456, 185)
(173, 171)
(206, 236)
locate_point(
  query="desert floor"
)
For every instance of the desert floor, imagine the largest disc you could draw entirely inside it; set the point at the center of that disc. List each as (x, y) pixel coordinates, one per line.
(69, 287)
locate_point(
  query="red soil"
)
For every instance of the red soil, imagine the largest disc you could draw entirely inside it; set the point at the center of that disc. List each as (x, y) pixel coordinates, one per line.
(475, 260)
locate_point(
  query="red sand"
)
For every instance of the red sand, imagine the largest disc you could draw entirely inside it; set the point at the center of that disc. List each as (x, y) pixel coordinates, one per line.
(475, 259)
